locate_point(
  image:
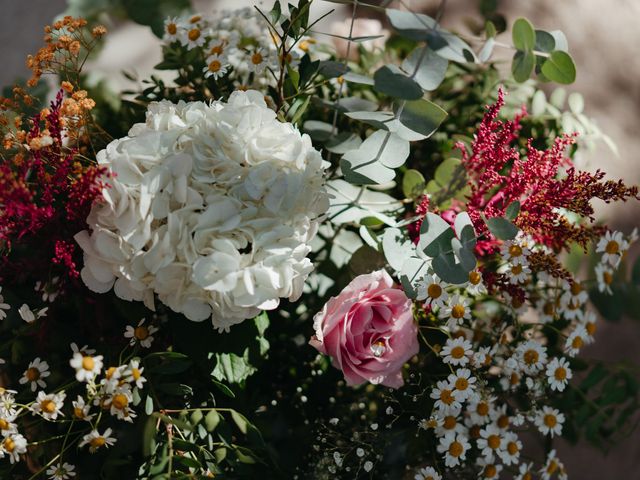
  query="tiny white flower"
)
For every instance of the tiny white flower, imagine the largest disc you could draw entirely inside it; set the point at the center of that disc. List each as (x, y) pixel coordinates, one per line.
(525, 472)
(84, 350)
(13, 445)
(215, 67)
(61, 471)
(513, 446)
(7, 422)
(558, 374)
(549, 421)
(517, 304)
(604, 275)
(258, 61)
(445, 400)
(532, 356)
(456, 351)
(432, 290)
(141, 334)
(456, 311)
(48, 405)
(133, 373)
(173, 28)
(576, 340)
(552, 467)
(515, 252)
(454, 448)
(427, 473)
(490, 470)
(87, 367)
(95, 440)
(192, 37)
(476, 286)
(34, 374)
(573, 298)
(518, 273)
(589, 321)
(449, 423)
(3, 306)
(612, 245)
(479, 410)
(463, 383)
(119, 404)
(491, 442)
(81, 410)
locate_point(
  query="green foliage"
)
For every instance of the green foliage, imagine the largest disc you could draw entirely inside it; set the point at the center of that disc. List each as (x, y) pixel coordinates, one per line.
(559, 67)
(502, 228)
(390, 80)
(152, 13)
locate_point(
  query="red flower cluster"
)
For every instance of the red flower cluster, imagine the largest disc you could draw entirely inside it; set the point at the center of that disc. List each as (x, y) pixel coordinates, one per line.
(46, 194)
(498, 176)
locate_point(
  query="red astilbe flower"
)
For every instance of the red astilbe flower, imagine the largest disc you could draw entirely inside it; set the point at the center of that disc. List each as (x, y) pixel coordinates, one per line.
(46, 194)
(499, 175)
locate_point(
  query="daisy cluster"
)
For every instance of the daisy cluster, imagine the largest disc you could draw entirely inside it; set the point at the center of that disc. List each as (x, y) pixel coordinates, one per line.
(495, 347)
(237, 41)
(211, 207)
(612, 246)
(107, 389)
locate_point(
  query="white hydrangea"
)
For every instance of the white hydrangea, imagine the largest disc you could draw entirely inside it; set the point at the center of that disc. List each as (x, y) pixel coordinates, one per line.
(211, 207)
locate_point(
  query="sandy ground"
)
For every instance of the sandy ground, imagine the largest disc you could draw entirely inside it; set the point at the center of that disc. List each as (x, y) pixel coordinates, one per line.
(603, 38)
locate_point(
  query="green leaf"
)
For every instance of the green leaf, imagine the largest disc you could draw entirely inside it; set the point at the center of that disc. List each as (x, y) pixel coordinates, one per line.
(435, 235)
(502, 228)
(153, 12)
(465, 232)
(232, 368)
(422, 116)
(523, 35)
(512, 210)
(445, 266)
(374, 160)
(414, 26)
(392, 81)
(241, 422)
(332, 69)
(196, 416)
(431, 70)
(223, 388)
(544, 41)
(211, 420)
(490, 29)
(559, 67)
(522, 65)
(413, 184)
(148, 405)
(244, 458)
(464, 254)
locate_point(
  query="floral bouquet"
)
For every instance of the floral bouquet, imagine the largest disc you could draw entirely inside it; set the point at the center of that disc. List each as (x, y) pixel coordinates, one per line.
(306, 252)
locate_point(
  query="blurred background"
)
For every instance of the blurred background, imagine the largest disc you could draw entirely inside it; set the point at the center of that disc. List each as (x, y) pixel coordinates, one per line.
(603, 39)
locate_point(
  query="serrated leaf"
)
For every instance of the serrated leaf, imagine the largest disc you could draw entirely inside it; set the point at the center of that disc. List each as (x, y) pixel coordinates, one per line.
(391, 81)
(522, 65)
(523, 35)
(559, 67)
(431, 70)
(422, 116)
(502, 228)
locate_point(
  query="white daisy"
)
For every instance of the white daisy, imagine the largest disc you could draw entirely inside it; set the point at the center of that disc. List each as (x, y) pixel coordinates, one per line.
(119, 404)
(476, 286)
(85, 350)
(500, 417)
(192, 37)
(491, 442)
(518, 305)
(456, 311)
(456, 351)
(81, 410)
(48, 405)
(7, 402)
(95, 440)
(484, 356)
(573, 298)
(133, 373)
(612, 245)
(215, 67)
(111, 379)
(479, 410)
(427, 473)
(552, 467)
(518, 273)
(547, 309)
(141, 334)
(604, 275)
(432, 290)
(576, 340)
(490, 470)
(13, 445)
(258, 60)
(445, 400)
(61, 471)
(3, 307)
(558, 374)
(7, 422)
(463, 383)
(511, 374)
(455, 449)
(87, 367)
(513, 446)
(525, 472)
(173, 29)
(549, 421)
(449, 423)
(589, 321)
(532, 356)
(515, 252)
(34, 374)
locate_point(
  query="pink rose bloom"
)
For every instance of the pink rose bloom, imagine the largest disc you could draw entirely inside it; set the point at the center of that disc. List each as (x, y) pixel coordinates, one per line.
(368, 331)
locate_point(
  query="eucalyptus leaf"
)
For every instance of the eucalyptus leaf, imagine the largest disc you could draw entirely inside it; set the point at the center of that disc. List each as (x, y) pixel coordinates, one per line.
(422, 116)
(413, 184)
(414, 26)
(435, 235)
(392, 81)
(502, 228)
(357, 78)
(523, 35)
(559, 67)
(428, 68)
(397, 248)
(350, 204)
(512, 210)
(544, 41)
(522, 65)
(446, 267)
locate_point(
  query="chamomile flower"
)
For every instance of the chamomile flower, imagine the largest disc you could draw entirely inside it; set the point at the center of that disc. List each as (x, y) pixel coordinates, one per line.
(427, 473)
(491, 442)
(258, 60)
(34, 374)
(490, 470)
(558, 374)
(111, 379)
(476, 286)
(133, 373)
(463, 383)
(576, 340)
(589, 321)
(173, 29)
(433, 422)
(141, 334)
(81, 410)
(87, 366)
(119, 404)
(510, 455)
(3, 306)
(7, 422)
(612, 246)
(48, 405)
(512, 374)
(552, 467)
(29, 316)
(518, 273)
(515, 252)
(433, 291)
(96, 440)
(531, 356)
(61, 471)
(215, 67)
(549, 421)
(573, 298)
(604, 275)
(13, 445)
(456, 351)
(442, 393)
(454, 448)
(547, 309)
(456, 311)
(484, 356)
(450, 423)
(479, 410)
(192, 37)
(84, 350)
(525, 472)
(500, 418)
(7, 402)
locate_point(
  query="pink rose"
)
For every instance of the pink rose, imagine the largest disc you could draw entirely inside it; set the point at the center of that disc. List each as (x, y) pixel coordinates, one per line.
(368, 330)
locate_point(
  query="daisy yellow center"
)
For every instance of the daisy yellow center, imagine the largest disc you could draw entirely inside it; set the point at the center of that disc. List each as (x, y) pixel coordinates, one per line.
(490, 471)
(531, 357)
(195, 19)
(514, 379)
(503, 421)
(576, 288)
(560, 374)
(550, 420)
(9, 444)
(457, 352)
(97, 442)
(607, 278)
(141, 332)
(456, 449)
(48, 406)
(215, 66)
(449, 422)
(88, 363)
(573, 305)
(217, 49)
(120, 401)
(78, 412)
(110, 372)
(591, 328)
(527, 476)
(172, 29)
(446, 397)
(515, 250)
(462, 384)
(512, 448)
(434, 290)
(577, 342)
(432, 423)
(304, 46)
(32, 374)
(474, 278)
(549, 308)
(135, 373)
(553, 466)
(194, 34)
(493, 442)
(482, 409)
(457, 311)
(4, 425)
(474, 432)
(612, 247)
(257, 58)
(516, 269)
